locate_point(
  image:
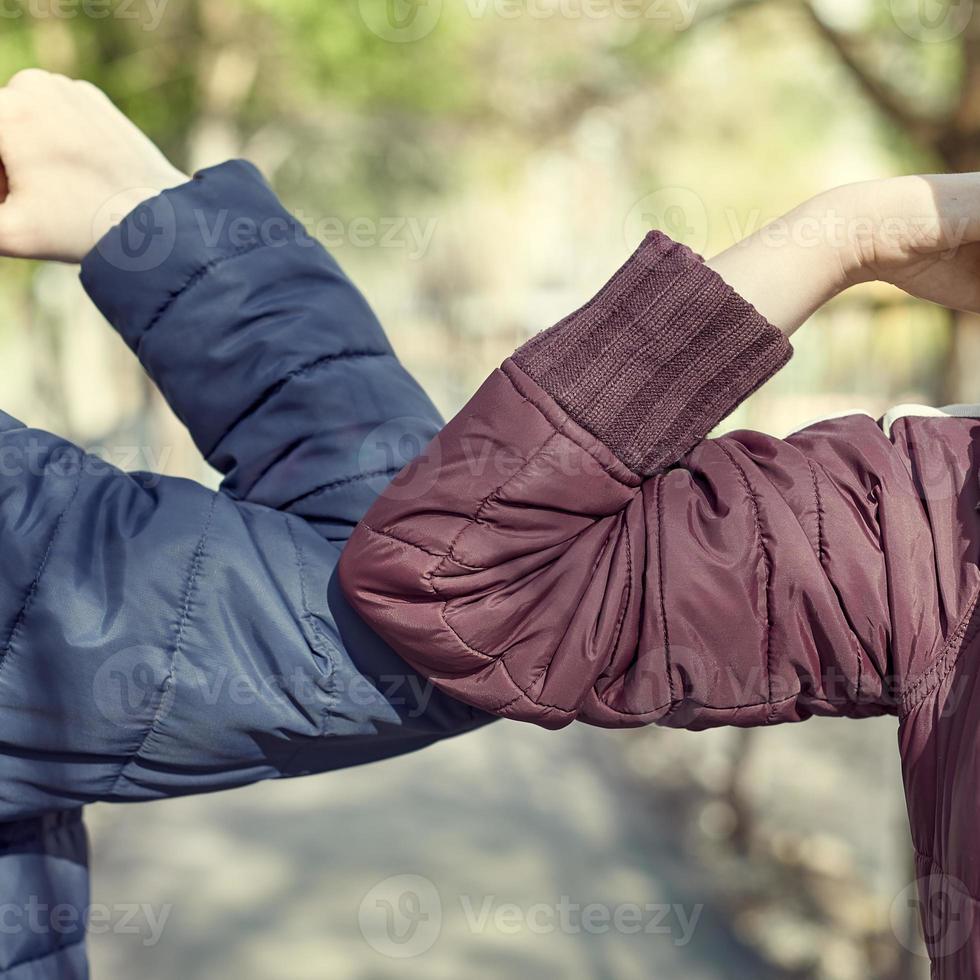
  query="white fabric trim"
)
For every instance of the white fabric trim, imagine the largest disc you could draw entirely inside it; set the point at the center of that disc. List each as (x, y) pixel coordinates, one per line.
(905, 410)
(909, 410)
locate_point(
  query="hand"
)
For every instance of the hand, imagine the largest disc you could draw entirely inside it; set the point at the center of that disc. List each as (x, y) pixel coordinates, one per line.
(919, 233)
(74, 166)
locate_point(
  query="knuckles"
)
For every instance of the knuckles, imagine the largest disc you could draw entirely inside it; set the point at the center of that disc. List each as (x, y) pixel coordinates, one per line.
(32, 78)
(36, 82)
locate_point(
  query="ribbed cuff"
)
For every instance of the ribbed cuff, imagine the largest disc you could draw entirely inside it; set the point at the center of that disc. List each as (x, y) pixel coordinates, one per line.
(658, 357)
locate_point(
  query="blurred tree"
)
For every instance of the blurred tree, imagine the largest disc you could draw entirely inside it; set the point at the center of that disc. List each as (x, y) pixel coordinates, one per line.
(920, 70)
(335, 112)
(945, 131)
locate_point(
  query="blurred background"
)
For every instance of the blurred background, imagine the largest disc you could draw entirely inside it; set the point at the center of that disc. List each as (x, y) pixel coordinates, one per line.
(480, 167)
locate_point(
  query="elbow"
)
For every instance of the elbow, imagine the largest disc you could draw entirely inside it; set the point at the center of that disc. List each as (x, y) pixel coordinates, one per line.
(391, 585)
(385, 580)
(388, 581)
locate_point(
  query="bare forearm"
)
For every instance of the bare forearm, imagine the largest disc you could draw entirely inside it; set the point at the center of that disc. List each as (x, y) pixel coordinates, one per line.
(793, 265)
(920, 233)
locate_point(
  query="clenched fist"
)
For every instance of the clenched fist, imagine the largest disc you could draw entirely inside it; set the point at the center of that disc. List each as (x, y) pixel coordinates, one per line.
(74, 166)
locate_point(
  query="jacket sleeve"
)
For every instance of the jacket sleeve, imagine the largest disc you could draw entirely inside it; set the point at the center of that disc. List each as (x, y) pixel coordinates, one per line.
(159, 638)
(571, 546)
(45, 897)
(262, 346)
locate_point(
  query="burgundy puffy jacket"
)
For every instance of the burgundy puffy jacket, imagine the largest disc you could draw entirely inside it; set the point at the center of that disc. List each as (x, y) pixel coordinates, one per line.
(572, 547)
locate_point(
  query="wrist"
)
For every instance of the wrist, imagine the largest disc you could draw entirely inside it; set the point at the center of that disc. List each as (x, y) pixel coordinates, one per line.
(793, 265)
(886, 222)
(124, 201)
(855, 230)
(835, 232)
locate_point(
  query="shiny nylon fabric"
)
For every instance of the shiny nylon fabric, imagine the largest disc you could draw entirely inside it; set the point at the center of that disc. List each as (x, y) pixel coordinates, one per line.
(748, 585)
(754, 580)
(158, 638)
(44, 897)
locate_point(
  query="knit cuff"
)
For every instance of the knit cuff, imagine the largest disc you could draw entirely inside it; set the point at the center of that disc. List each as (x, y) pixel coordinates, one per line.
(659, 357)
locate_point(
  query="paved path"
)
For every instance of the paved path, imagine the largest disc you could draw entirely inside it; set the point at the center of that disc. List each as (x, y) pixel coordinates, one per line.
(508, 835)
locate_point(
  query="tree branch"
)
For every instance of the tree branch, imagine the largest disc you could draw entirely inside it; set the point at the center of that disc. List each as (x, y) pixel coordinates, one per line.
(725, 10)
(885, 99)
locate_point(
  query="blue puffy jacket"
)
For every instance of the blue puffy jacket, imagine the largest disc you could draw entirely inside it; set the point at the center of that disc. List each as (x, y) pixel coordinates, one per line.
(158, 638)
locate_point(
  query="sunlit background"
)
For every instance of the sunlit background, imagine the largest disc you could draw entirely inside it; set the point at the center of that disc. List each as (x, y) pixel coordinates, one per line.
(480, 167)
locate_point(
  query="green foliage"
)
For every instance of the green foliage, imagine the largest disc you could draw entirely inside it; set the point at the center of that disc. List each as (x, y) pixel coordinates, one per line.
(750, 109)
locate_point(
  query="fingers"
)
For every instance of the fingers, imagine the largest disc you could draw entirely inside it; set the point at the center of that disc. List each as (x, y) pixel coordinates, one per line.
(14, 231)
(27, 78)
(16, 113)
(13, 114)
(31, 83)
(31, 103)
(67, 151)
(84, 87)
